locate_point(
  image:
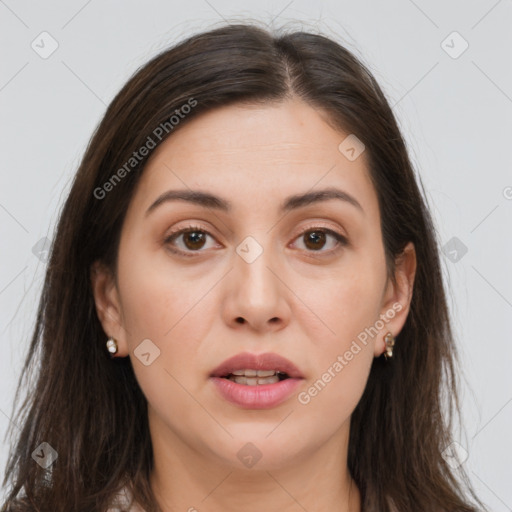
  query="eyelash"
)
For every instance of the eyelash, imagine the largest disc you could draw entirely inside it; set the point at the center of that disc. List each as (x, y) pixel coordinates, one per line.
(342, 241)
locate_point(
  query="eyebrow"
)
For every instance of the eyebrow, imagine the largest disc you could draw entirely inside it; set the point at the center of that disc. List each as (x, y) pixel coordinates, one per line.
(294, 202)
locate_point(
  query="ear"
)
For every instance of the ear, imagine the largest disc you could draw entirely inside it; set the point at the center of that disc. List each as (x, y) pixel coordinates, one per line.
(397, 297)
(108, 305)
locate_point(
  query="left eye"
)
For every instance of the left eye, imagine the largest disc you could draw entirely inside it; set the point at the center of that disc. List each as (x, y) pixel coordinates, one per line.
(315, 239)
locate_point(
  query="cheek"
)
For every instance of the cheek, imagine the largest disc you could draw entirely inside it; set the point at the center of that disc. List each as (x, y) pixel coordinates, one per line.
(175, 314)
(341, 360)
(349, 305)
(335, 392)
(158, 299)
(171, 308)
(348, 300)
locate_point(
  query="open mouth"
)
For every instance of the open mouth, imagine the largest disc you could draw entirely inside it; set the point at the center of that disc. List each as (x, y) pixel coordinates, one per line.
(256, 377)
(256, 381)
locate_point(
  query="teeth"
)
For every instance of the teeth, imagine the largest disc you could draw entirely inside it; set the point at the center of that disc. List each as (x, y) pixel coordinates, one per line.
(255, 373)
(254, 381)
(266, 373)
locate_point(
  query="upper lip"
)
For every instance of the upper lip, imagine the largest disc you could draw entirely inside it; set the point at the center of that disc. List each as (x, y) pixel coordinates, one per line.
(248, 361)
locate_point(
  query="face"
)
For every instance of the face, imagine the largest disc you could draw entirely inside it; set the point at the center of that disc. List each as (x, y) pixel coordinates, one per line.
(254, 270)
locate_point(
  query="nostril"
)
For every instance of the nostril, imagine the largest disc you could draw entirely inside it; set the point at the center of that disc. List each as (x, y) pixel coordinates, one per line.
(240, 320)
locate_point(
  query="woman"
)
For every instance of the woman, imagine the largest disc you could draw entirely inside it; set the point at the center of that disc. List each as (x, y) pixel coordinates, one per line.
(243, 307)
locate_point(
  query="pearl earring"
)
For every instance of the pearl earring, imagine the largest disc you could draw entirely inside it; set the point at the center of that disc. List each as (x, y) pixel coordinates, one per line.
(112, 346)
(390, 343)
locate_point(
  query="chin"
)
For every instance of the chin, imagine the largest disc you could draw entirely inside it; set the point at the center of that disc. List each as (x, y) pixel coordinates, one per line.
(255, 449)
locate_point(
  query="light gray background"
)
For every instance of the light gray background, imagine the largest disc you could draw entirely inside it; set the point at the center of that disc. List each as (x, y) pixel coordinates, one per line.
(455, 113)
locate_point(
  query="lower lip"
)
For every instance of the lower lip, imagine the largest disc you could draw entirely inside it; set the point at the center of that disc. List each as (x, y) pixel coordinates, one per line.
(262, 396)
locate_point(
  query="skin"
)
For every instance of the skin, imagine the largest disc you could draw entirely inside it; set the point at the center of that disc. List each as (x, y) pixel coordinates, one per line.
(303, 301)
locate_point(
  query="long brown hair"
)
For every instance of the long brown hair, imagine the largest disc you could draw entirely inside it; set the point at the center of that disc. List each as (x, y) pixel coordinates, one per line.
(403, 422)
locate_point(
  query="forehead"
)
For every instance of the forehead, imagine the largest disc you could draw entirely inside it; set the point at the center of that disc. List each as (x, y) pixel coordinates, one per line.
(276, 149)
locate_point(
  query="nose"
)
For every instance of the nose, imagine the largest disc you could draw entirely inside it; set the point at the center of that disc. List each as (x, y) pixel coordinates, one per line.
(256, 292)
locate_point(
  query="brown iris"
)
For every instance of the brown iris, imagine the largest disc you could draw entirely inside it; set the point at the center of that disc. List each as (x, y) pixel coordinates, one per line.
(315, 238)
(196, 238)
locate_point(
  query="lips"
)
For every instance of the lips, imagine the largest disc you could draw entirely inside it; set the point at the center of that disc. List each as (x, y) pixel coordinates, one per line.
(268, 361)
(275, 382)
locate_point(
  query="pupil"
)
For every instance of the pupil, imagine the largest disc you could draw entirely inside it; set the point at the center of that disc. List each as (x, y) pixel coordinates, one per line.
(315, 237)
(197, 240)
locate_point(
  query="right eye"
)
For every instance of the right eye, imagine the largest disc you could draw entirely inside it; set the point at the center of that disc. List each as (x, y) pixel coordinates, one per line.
(193, 240)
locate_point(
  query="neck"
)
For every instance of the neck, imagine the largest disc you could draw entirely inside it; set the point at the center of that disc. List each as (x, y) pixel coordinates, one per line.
(184, 478)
